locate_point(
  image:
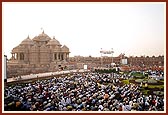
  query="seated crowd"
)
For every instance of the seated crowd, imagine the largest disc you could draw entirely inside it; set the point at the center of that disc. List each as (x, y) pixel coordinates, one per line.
(80, 92)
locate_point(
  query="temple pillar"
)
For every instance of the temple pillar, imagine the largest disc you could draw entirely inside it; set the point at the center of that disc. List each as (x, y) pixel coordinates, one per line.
(53, 57)
(18, 56)
(13, 56)
(57, 56)
(67, 57)
(64, 56)
(61, 56)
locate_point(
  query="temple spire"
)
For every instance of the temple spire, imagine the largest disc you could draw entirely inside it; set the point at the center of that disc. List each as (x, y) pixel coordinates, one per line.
(42, 30)
(28, 37)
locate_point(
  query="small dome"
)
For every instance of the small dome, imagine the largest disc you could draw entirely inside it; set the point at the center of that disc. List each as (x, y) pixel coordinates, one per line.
(65, 48)
(18, 48)
(54, 42)
(27, 41)
(42, 37)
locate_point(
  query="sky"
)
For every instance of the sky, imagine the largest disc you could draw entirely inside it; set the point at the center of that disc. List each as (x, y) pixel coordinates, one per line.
(136, 29)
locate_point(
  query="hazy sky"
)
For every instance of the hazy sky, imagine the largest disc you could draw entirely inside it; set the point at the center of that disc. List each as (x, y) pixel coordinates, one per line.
(131, 28)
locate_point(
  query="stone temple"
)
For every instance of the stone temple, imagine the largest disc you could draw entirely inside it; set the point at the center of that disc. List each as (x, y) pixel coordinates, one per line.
(40, 54)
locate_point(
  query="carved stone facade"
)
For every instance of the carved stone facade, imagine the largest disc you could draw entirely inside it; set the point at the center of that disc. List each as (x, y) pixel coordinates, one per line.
(40, 53)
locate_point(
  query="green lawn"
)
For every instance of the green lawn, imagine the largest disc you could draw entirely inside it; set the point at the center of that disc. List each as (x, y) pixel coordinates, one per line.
(155, 86)
(125, 81)
(161, 80)
(137, 74)
(145, 92)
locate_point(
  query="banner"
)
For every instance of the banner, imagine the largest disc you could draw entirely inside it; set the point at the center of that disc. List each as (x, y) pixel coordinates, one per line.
(106, 52)
(124, 61)
(85, 67)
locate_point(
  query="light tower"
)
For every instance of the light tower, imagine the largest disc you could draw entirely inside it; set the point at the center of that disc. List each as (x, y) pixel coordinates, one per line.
(112, 56)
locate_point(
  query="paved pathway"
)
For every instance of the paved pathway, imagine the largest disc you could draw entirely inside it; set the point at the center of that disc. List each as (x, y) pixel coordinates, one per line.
(39, 75)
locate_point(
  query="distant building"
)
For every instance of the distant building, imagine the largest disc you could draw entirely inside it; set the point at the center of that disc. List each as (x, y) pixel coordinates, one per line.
(146, 61)
(39, 54)
(136, 63)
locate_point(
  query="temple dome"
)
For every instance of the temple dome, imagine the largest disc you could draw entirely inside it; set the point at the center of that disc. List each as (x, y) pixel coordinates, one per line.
(27, 41)
(54, 42)
(65, 48)
(42, 37)
(18, 48)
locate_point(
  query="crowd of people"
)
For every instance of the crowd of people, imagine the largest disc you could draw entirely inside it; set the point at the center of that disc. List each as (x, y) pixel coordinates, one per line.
(80, 92)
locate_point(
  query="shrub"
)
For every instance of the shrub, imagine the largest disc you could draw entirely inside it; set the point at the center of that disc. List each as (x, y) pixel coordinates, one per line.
(156, 86)
(145, 92)
(152, 81)
(139, 80)
(158, 92)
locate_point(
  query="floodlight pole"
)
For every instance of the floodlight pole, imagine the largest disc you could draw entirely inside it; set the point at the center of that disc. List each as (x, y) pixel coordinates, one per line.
(112, 55)
(101, 57)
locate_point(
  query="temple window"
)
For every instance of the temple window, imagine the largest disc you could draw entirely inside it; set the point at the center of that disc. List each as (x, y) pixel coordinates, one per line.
(55, 56)
(21, 56)
(59, 56)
